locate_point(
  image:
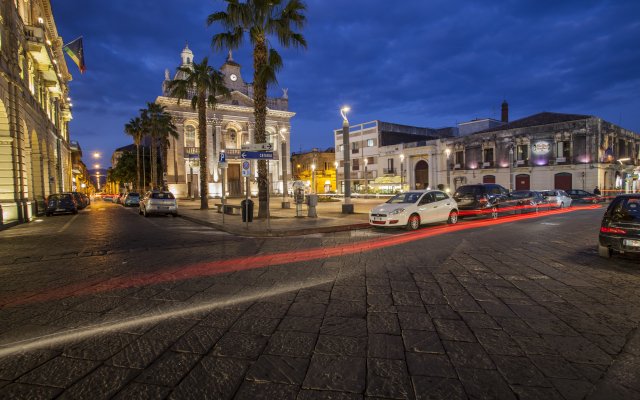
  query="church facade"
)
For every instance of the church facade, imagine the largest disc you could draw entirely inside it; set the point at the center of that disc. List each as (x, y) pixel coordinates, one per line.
(230, 125)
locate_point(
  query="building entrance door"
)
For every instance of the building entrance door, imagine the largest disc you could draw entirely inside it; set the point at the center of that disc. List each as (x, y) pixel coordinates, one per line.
(422, 175)
(523, 182)
(234, 180)
(563, 181)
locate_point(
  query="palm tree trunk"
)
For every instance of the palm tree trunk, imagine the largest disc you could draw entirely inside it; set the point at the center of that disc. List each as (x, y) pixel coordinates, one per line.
(165, 142)
(138, 166)
(260, 116)
(154, 162)
(202, 138)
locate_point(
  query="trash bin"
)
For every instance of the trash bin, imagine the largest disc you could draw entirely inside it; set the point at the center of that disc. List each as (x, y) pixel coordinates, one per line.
(244, 210)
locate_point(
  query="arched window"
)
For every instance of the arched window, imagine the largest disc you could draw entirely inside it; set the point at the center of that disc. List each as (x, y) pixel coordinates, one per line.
(188, 60)
(231, 139)
(189, 136)
(268, 136)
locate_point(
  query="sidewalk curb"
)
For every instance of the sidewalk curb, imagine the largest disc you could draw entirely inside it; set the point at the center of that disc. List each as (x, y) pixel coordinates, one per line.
(294, 232)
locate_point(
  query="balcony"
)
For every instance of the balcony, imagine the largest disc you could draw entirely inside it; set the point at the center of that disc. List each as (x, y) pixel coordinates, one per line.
(355, 151)
(389, 171)
(75, 168)
(563, 160)
(190, 151)
(355, 167)
(522, 163)
(487, 164)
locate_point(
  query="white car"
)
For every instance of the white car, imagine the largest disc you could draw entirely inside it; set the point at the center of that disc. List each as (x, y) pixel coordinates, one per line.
(411, 209)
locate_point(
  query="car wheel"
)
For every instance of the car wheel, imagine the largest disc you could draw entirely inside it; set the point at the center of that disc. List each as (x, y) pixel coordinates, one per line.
(144, 211)
(561, 206)
(413, 223)
(75, 211)
(140, 210)
(47, 214)
(604, 251)
(494, 212)
(453, 218)
(595, 201)
(536, 209)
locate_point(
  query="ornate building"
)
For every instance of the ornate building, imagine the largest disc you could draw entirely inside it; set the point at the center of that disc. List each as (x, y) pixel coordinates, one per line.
(229, 126)
(35, 155)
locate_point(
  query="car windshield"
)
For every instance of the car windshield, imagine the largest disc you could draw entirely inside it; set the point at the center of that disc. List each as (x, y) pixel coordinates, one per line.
(162, 196)
(63, 196)
(133, 194)
(521, 195)
(405, 198)
(468, 190)
(626, 209)
(549, 193)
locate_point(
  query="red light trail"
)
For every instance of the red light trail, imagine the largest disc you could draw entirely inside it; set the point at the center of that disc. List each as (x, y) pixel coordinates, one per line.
(265, 260)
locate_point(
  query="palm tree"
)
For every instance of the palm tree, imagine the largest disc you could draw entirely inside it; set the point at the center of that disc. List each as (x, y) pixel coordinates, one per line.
(261, 19)
(152, 119)
(167, 130)
(206, 85)
(134, 129)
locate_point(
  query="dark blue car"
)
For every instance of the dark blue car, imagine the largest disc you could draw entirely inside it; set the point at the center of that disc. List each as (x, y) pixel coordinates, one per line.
(61, 203)
(620, 228)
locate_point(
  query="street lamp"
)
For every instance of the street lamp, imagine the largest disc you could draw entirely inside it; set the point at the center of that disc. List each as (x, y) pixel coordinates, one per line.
(313, 172)
(448, 152)
(402, 172)
(97, 166)
(96, 154)
(336, 164)
(347, 207)
(284, 170)
(366, 180)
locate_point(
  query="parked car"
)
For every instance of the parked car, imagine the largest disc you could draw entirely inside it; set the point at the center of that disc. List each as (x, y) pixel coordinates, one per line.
(61, 203)
(620, 228)
(523, 201)
(87, 198)
(584, 197)
(411, 209)
(79, 200)
(485, 198)
(131, 199)
(158, 202)
(118, 197)
(557, 198)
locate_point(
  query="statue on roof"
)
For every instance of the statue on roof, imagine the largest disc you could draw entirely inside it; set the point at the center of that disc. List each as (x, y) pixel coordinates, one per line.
(284, 95)
(166, 75)
(229, 58)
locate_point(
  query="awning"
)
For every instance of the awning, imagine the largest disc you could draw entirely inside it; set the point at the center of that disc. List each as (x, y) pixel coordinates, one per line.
(387, 180)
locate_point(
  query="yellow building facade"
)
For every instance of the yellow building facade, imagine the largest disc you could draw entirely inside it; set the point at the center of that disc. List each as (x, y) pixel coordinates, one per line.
(320, 163)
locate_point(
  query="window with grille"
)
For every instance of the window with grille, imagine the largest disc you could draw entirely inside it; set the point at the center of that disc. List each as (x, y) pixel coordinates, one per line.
(460, 157)
(488, 155)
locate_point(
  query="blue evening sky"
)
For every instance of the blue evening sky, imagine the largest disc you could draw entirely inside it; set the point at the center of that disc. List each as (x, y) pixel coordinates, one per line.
(424, 63)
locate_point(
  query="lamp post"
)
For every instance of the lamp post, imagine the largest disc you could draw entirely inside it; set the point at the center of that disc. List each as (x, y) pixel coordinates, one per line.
(448, 152)
(347, 207)
(402, 172)
(336, 164)
(96, 154)
(313, 178)
(285, 204)
(511, 181)
(366, 180)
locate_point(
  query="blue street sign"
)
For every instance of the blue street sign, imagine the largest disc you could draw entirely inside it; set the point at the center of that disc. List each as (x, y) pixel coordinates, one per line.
(257, 155)
(223, 157)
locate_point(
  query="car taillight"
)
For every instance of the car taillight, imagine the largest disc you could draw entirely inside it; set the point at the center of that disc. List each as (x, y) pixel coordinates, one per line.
(482, 200)
(612, 230)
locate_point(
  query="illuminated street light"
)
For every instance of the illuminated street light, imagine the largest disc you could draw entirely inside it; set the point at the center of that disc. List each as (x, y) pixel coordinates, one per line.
(347, 207)
(343, 111)
(97, 166)
(448, 152)
(96, 154)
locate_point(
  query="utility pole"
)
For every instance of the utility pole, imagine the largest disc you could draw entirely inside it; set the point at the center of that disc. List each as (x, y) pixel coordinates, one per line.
(347, 207)
(511, 181)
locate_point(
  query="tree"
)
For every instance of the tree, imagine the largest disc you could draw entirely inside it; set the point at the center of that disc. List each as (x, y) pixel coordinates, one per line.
(153, 120)
(206, 85)
(261, 19)
(134, 129)
(125, 170)
(167, 130)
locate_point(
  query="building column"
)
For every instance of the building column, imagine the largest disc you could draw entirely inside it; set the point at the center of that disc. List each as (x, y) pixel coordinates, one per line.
(212, 160)
(217, 123)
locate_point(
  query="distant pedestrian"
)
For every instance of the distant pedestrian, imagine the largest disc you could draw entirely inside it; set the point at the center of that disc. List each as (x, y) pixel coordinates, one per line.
(596, 191)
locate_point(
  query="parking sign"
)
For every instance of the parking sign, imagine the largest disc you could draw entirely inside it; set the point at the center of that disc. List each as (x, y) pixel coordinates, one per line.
(246, 169)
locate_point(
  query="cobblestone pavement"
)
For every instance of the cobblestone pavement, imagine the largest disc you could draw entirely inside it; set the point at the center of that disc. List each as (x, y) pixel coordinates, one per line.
(108, 304)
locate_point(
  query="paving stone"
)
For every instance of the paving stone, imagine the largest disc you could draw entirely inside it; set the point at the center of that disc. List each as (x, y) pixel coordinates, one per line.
(551, 327)
(479, 321)
(338, 326)
(612, 344)
(497, 309)
(213, 378)
(571, 389)
(453, 330)
(442, 312)
(136, 391)
(199, 340)
(307, 310)
(404, 286)
(171, 330)
(100, 347)
(60, 372)
(255, 325)
(293, 344)
(348, 293)
(464, 303)
(609, 390)
(386, 346)
(240, 345)
(484, 384)
(437, 388)
(534, 345)
(422, 342)
(555, 367)
(535, 393)
(173, 295)
(350, 309)
(381, 309)
(31, 392)
(497, 341)
(516, 327)
(16, 365)
(430, 365)
(411, 309)
(278, 369)
(339, 373)
(470, 355)
(306, 394)
(625, 371)
(378, 289)
(379, 299)
(592, 372)
(407, 299)
(520, 371)
(383, 323)
(388, 378)
(266, 391)
(222, 318)
(578, 349)
(99, 304)
(416, 322)
(342, 346)
(299, 324)
(169, 369)
(533, 312)
(313, 296)
(139, 354)
(101, 384)
(268, 310)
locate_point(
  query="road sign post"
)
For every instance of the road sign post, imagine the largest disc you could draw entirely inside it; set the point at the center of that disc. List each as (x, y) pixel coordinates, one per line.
(257, 147)
(246, 173)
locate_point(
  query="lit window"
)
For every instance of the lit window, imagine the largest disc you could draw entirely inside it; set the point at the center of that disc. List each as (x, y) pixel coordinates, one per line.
(190, 136)
(370, 143)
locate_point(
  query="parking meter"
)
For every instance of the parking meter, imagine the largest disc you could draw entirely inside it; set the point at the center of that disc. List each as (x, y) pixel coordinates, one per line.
(298, 196)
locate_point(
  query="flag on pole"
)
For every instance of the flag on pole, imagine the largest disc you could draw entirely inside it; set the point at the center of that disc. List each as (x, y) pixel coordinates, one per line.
(76, 52)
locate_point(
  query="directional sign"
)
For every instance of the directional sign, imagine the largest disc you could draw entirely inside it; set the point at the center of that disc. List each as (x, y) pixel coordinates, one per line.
(257, 147)
(257, 155)
(223, 157)
(246, 169)
(223, 164)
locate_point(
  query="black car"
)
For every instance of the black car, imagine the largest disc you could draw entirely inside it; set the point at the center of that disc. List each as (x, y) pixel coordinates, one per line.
(79, 200)
(484, 198)
(61, 203)
(620, 228)
(523, 201)
(584, 197)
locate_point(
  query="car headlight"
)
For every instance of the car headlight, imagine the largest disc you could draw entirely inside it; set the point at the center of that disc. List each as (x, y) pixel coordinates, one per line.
(396, 212)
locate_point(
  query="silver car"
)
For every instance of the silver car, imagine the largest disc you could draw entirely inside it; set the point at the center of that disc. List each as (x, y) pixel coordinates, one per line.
(158, 202)
(557, 198)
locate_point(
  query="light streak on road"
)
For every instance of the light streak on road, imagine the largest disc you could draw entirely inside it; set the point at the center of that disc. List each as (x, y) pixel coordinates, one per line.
(196, 270)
